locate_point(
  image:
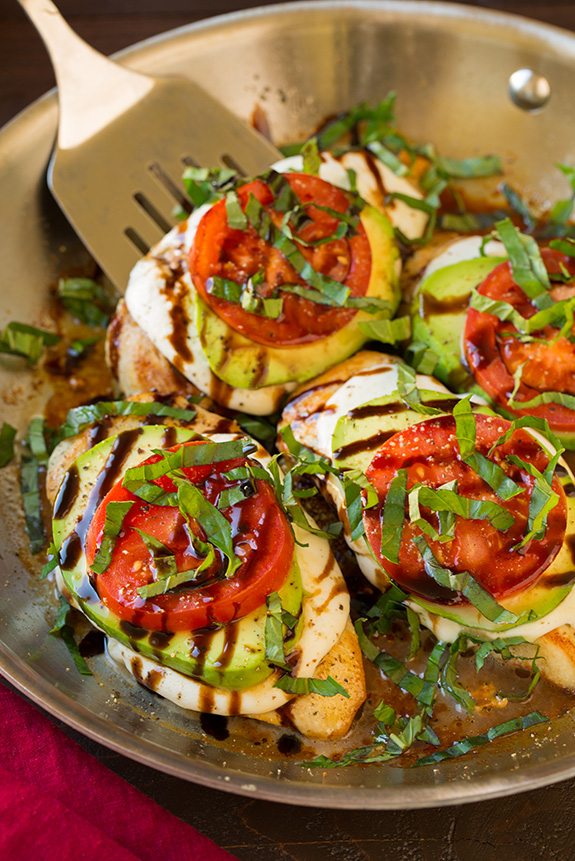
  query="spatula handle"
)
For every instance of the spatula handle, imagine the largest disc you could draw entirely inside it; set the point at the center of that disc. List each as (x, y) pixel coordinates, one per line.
(93, 90)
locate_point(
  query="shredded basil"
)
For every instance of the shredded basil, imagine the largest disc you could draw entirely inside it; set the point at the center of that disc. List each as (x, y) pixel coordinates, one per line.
(466, 168)
(490, 472)
(113, 523)
(30, 488)
(527, 266)
(19, 339)
(205, 185)
(234, 213)
(387, 331)
(169, 581)
(542, 501)
(393, 516)
(565, 246)
(323, 687)
(446, 499)
(193, 505)
(519, 206)
(65, 632)
(466, 745)
(465, 583)
(86, 300)
(260, 428)
(51, 563)
(275, 653)
(450, 679)
(7, 437)
(79, 418)
(409, 393)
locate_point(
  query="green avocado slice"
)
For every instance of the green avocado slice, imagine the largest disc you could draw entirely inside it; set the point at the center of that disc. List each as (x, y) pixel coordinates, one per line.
(438, 316)
(244, 364)
(233, 656)
(359, 434)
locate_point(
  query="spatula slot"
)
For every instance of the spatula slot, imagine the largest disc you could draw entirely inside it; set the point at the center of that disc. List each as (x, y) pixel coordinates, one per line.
(168, 183)
(136, 240)
(232, 163)
(189, 161)
(151, 210)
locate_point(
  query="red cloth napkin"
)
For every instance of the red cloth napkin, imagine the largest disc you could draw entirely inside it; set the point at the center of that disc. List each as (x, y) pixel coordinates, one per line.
(57, 801)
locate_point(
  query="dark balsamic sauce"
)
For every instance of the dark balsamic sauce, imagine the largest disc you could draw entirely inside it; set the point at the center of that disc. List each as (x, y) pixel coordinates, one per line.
(362, 445)
(67, 493)
(92, 644)
(288, 745)
(134, 632)
(160, 639)
(70, 552)
(215, 726)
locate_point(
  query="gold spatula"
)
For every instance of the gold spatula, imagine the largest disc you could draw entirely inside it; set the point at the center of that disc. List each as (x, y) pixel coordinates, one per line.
(124, 140)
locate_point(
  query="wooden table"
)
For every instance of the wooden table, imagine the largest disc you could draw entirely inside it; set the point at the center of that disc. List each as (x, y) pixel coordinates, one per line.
(536, 825)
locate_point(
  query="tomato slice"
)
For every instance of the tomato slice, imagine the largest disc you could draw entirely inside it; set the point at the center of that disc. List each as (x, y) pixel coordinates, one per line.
(238, 255)
(494, 354)
(430, 453)
(262, 539)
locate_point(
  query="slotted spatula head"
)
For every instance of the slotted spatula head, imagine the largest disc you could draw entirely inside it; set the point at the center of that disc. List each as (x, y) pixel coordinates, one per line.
(124, 140)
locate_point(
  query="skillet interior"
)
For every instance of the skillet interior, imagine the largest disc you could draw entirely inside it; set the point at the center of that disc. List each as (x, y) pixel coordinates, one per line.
(449, 66)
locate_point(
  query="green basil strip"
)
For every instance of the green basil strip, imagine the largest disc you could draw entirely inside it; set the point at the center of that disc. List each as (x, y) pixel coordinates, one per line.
(178, 578)
(113, 522)
(36, 439)
(204, 185)
(86, 300)
(466, 168)
(501, 646)
(422, 358)
(559, 313)
(183, 457)
(30, 489)
(565, 246)
(388, 158)
(7, 437)
(64, 631)
(233, 495)
(274, 640)
(323, 687)
(415, 633)
(258, 427)
(311, 157)
(409, 393)
(193, 504)
(450, 679)
(387, 331)
(333, 291)
(51, 563)
(534, 423)
(519, 206)
(384, 713)
(396, 671)
(466, 745)
(464, 583)
(80, 417)
(234, 213)
(527, 266)
(564, 400)
(19, 339)
(393, 516)
(445, 499)
(224, 288)
(490, 472)
(542, 501)
(446, 517)
(79, 347)
(354, 508)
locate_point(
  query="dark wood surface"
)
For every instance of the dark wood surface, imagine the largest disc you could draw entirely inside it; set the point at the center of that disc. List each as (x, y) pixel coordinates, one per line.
(528, 827)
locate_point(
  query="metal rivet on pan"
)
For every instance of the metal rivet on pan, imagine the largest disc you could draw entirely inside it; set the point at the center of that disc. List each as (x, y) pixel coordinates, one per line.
(528, 90)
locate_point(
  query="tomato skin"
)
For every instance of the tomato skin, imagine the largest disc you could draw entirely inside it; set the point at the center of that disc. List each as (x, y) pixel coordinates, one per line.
(430, 453)
(493, 354)
(262, 538)
(221, 251)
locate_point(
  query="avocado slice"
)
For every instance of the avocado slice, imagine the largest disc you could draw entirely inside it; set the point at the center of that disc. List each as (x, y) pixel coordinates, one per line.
(244, 364)
(359, 434)
(438, 316)
(547, 592)
(233, 656)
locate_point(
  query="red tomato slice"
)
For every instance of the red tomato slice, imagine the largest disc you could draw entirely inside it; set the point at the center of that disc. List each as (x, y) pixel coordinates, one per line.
(218, 250)
(493, 354)
(262, 539)
(430, 453)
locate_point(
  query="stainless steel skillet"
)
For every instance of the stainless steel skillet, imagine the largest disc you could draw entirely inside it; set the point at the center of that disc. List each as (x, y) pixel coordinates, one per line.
(450, 66)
